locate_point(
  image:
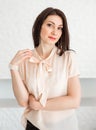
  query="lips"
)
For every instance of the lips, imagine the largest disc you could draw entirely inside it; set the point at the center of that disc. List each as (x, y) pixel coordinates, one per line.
(52, 38)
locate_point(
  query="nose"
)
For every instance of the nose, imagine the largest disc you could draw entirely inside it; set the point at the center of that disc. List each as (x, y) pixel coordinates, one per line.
(54, 31)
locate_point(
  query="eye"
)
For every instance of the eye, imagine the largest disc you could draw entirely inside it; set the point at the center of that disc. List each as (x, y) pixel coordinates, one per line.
(49, 24)
(60, 28)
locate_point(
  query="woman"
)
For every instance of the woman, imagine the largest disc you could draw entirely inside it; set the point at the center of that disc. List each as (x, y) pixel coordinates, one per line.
(45, 79)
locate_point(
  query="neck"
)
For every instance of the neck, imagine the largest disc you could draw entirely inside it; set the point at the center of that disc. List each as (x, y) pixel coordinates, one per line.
(44, 50)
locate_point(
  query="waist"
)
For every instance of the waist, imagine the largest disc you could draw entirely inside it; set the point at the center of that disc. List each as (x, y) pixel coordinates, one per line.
(43, 116)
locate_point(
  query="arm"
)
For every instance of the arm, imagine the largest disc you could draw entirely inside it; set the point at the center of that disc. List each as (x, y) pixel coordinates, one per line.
(18, 85)
(19, 89)
(70, 101)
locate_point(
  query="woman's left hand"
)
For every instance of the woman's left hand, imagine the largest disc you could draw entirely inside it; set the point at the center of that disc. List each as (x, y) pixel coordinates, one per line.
(34, 104)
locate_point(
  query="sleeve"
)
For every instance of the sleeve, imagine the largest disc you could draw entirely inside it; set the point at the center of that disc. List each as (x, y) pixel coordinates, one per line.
(73, 67)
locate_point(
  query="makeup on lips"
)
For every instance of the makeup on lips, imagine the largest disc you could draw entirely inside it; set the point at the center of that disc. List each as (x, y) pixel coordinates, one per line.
(52, 38)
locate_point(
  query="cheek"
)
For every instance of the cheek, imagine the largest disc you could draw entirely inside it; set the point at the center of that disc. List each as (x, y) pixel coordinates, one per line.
(44, 32)
(60, 34)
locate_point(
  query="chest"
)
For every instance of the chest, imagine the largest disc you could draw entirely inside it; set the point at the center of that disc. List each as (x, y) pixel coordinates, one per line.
(55, 81)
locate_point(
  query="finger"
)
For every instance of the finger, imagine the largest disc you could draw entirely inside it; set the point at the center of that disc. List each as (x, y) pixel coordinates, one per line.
(26, 55)
(23, 51)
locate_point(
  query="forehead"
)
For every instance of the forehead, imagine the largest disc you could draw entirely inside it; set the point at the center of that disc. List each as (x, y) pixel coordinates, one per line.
(55, 19)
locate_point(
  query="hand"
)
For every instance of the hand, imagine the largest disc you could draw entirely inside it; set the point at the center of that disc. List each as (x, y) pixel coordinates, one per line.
(21, 56)
(34, 104)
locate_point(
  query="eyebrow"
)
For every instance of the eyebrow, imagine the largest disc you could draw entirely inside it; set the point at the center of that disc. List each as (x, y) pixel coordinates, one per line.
(54, 23)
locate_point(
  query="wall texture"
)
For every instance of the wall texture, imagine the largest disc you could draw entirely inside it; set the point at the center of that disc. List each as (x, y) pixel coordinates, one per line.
(16, 20)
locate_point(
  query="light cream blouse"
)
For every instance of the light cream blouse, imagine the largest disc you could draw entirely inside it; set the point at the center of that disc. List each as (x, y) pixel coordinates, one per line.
(48, 77)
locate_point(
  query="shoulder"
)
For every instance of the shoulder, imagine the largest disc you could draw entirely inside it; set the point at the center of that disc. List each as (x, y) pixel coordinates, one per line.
(70, 54)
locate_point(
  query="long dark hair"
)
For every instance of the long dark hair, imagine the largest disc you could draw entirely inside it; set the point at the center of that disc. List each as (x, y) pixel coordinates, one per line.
(63, 42)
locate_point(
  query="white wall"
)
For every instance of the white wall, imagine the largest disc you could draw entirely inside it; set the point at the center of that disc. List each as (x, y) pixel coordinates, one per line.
(16, 19)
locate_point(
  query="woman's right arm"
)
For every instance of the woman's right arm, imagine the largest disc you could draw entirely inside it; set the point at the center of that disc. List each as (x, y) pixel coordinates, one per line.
(18, 85)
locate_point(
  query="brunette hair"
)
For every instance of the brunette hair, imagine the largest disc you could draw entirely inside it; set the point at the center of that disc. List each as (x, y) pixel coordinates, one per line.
(63, 42)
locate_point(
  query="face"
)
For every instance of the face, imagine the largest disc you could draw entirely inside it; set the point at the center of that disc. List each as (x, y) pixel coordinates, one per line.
(51, 29)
